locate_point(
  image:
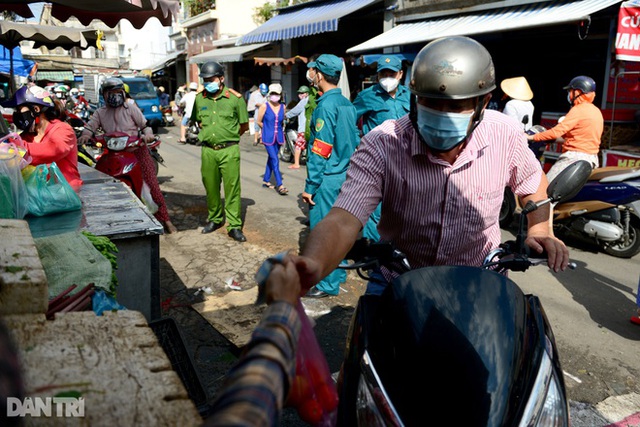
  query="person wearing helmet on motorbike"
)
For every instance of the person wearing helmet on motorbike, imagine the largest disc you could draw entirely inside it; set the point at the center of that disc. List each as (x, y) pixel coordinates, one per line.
(299, 111)
(163, 97)
(48, 137)
(581, 129)
(61, 93)
(257, 99)
(439, 171)
(117, 115)
(222, 114)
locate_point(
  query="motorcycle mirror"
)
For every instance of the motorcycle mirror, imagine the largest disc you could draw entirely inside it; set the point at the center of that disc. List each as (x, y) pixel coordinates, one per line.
(568, 183)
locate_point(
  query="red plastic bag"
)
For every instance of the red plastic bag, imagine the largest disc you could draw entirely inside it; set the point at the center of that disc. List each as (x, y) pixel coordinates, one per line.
(313, 392)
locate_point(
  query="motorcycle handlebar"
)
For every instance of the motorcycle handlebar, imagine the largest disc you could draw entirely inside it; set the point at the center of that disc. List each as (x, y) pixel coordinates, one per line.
(367, 255)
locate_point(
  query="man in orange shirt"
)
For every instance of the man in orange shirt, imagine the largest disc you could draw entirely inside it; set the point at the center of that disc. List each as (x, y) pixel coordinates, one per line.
(581, 128)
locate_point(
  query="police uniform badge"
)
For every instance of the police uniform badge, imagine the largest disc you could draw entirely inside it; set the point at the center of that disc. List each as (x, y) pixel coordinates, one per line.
(319, 124)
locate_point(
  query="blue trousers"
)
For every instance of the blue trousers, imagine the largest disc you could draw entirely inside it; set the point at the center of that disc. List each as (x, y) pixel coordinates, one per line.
(273, 165)
(324, 198)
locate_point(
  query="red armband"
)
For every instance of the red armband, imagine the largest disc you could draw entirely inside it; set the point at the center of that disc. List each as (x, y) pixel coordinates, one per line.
(322, 148)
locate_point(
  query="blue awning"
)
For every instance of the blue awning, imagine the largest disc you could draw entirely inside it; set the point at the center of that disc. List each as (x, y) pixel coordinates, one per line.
(491, 21)
(373, 57)
(313, 18)
(21, 67)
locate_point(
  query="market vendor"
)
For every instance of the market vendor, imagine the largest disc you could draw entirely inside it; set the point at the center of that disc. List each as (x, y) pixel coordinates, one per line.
(48, 137)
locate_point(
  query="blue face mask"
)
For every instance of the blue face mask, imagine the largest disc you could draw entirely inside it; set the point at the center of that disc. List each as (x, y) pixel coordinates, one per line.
(442, 131)
(212, 87)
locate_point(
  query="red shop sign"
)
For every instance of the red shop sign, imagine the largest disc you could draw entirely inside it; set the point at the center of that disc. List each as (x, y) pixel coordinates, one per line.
(628, 36)
(621, 159)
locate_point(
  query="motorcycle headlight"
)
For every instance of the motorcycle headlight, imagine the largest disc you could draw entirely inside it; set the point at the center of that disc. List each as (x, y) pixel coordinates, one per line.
(117, 143)
(154, 108)
(547, 405)
(372, 403)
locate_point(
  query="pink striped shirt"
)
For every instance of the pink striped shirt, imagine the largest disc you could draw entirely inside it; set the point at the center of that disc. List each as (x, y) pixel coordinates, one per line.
(435, 212)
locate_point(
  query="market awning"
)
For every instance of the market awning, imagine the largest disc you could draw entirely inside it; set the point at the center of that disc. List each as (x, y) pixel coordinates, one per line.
(491, 21)
(226, 54)
(166, 61)
(55, 76)
(310, 18)
(271, 60)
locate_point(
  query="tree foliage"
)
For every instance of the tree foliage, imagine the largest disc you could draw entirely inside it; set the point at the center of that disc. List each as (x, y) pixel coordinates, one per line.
(196, 7)
(267, 11)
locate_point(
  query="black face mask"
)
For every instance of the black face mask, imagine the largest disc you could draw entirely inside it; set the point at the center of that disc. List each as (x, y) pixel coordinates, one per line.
(24, 121)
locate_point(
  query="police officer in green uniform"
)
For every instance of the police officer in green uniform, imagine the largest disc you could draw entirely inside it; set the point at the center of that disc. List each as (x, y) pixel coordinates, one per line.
(385, 100)
(333, 139)
(222, 114)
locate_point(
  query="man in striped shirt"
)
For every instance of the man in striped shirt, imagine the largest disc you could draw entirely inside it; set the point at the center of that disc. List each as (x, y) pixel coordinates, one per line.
(440, 172)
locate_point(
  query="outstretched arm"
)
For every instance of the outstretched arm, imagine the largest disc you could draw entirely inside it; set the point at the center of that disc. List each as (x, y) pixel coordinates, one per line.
(326, 246)
(256, 387)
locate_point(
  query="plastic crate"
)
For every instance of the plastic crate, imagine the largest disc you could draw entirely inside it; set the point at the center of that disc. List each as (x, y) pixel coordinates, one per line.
(172, 342)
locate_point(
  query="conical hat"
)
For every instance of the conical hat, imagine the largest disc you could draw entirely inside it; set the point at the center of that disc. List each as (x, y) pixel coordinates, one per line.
(517, 88)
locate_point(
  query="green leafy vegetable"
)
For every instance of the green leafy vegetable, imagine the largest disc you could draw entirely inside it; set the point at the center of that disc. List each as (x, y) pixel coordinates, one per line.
(108, 249)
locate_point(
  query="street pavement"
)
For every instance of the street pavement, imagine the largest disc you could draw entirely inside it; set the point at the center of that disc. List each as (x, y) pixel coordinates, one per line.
(216, 320)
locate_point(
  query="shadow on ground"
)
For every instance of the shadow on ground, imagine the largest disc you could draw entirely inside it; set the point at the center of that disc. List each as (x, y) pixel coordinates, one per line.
(213, 355)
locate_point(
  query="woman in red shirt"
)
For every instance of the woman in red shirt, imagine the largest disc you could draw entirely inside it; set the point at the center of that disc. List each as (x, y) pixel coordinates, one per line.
(47, 136)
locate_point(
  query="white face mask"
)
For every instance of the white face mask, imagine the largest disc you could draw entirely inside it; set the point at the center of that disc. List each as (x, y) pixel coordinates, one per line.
(389, 83)
(309, 79)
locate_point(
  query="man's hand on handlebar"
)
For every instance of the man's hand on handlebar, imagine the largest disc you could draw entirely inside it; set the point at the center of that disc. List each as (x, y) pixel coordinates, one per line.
(146, 138)
(557, 252)
(84, 139)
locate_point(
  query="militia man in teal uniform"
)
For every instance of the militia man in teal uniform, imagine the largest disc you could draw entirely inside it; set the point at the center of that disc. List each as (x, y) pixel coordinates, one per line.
(333, 139)
(385, 100)
(222, 114)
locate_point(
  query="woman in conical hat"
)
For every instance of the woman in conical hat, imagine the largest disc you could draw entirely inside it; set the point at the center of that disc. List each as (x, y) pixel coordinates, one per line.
(519, 105)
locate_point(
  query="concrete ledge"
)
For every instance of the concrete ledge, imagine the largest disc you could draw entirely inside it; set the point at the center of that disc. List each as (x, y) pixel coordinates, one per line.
(113, 361)
(23, 283)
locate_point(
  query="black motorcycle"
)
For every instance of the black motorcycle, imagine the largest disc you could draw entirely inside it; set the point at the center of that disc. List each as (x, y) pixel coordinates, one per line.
(191, 137)
(447, 337)
(290, 136)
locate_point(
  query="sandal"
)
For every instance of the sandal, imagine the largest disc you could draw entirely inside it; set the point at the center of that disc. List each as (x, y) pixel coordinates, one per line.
(282, 190)
(267, 185)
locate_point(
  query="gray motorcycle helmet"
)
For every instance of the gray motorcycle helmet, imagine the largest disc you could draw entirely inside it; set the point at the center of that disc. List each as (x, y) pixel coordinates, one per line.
(452, 68)
(584, 83)
(211, 69)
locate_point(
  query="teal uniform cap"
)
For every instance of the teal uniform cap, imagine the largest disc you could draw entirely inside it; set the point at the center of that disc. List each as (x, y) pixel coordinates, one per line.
(389, 62)
(327, 64)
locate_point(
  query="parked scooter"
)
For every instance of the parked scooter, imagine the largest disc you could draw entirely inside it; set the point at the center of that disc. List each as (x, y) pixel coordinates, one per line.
(193, 130)
(607, 210)
(167, 116)
(453, 336)
(290, 136)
